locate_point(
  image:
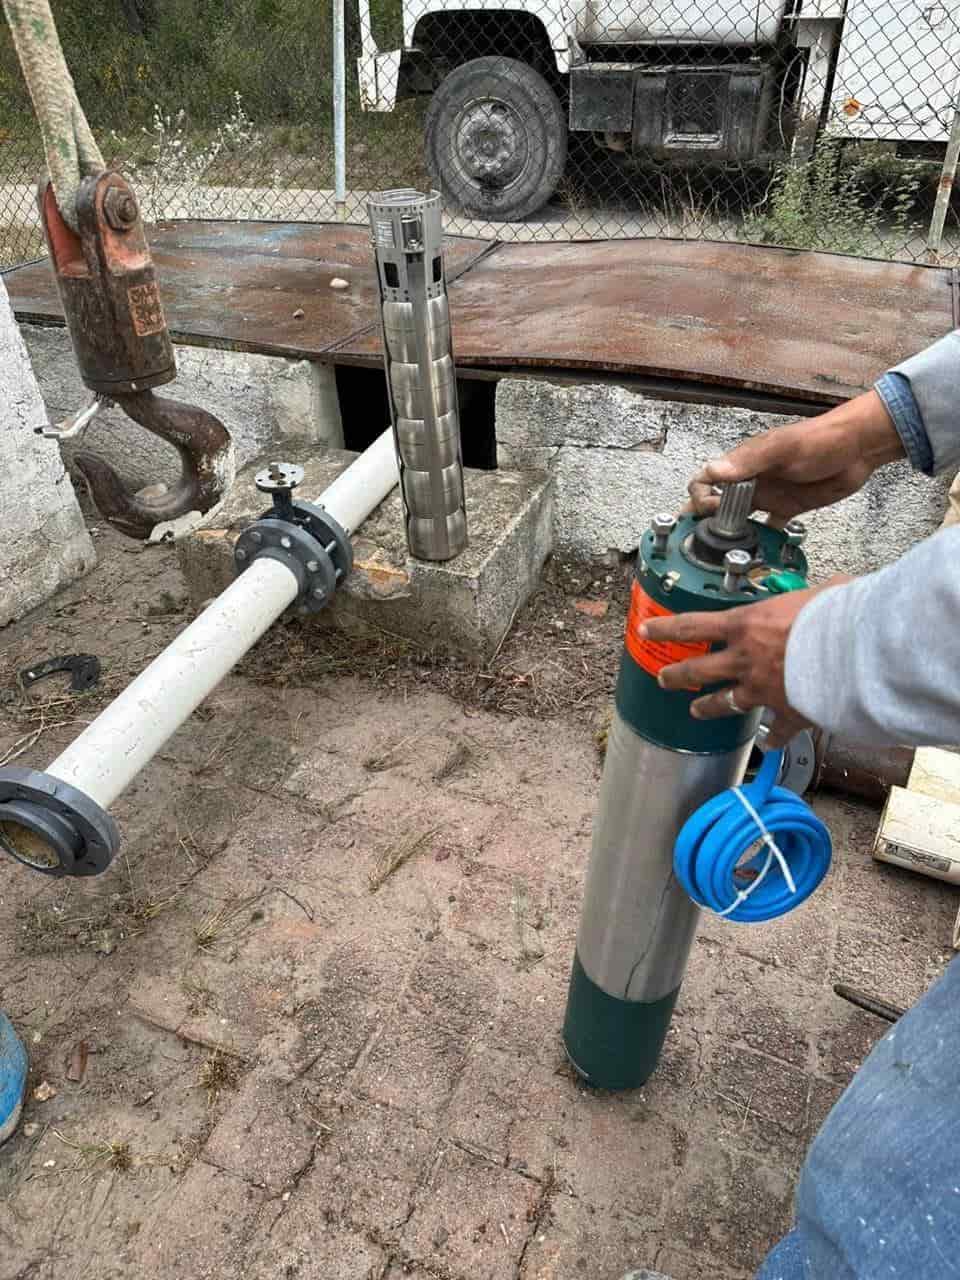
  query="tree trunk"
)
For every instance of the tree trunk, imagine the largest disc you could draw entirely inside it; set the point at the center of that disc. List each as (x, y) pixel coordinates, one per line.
(139, 15)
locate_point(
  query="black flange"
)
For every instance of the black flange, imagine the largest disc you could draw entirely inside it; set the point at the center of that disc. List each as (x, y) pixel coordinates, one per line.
(305, 538)
(52, 827)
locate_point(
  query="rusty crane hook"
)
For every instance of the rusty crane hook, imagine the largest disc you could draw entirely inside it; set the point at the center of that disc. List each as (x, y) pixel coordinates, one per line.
(206, 457)
(113, 311)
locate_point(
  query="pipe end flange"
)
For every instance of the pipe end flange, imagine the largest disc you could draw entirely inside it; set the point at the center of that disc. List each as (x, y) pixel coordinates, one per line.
(54, 828)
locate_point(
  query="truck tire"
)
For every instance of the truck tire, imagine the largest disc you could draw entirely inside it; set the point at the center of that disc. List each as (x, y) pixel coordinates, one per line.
(496, 139)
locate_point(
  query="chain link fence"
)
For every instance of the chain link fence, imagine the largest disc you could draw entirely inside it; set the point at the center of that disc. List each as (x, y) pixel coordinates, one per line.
(806, 123)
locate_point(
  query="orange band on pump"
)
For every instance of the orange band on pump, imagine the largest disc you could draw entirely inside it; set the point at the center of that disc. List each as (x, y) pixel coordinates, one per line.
(654, 655)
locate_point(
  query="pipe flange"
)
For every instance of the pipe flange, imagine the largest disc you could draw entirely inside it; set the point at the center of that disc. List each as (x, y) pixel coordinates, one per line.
(296, 549)
(329, 533)
(53, 828)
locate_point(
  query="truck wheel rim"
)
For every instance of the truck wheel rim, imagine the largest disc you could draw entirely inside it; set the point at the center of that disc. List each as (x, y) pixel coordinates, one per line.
(490, 143)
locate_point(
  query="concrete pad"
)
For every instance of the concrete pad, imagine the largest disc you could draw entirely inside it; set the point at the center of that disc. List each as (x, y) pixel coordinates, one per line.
(464, 606)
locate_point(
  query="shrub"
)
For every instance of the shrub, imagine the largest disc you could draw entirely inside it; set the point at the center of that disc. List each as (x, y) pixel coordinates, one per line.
(832, 202)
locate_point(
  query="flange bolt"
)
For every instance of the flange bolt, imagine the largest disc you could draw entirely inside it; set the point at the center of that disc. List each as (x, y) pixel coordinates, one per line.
(662, 525)
(795, 533)
(735, 566)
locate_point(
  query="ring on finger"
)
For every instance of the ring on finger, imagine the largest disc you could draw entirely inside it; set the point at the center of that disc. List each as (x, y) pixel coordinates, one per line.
(731, 701)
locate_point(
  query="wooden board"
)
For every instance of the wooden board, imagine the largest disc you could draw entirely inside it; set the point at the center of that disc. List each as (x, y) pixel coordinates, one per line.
(936, 773)
(926, 815)
(922, 833)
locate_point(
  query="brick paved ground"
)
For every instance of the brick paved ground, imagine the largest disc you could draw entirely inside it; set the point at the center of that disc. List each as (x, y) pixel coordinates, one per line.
(316, 1078)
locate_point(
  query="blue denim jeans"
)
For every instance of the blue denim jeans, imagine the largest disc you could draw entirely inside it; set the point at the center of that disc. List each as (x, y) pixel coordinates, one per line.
(879, 1192)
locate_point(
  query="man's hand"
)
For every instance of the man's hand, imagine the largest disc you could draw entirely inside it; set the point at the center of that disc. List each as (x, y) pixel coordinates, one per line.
(808, 464)
(751, 664)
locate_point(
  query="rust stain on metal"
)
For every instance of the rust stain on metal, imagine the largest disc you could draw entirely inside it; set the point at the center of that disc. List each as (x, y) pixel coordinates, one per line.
(814, 327)
(146, 309)
(253, 286)
(853, 769)
(206, 465)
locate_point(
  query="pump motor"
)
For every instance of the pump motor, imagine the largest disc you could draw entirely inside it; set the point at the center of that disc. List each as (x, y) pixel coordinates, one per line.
(638, 923)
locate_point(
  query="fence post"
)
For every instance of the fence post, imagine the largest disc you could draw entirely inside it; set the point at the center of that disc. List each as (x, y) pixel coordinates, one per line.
(339, 111)
(945, 190)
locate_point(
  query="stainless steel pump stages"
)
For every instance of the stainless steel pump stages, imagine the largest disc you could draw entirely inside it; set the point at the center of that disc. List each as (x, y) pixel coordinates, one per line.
(415, 320)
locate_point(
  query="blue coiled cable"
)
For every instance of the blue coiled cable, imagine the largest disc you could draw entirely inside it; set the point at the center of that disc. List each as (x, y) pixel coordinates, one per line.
(709, 852)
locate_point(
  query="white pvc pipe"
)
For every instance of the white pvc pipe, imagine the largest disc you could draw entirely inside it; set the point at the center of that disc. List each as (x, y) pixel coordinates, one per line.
(108, 755)
(375, 472)
(111, 751)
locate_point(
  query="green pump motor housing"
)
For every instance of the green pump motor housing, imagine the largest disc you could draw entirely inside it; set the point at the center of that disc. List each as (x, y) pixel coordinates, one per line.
(638, 924)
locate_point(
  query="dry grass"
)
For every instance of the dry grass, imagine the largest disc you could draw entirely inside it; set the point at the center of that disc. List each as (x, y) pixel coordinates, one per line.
(51, 705)
(200, 999)
(526, 927)
(393, 858)
(601, 734)
(218, 1072)
(378, 761)
(457, 759)
(92, 1156)
(224, 924)
(554, 663)
(99, 922)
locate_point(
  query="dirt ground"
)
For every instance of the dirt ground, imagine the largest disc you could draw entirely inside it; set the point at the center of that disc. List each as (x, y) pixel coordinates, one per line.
(308, 1024)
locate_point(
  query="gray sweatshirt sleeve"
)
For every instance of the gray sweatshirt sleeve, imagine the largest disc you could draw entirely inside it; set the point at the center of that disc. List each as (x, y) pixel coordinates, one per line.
(934, 377)
(878, 659)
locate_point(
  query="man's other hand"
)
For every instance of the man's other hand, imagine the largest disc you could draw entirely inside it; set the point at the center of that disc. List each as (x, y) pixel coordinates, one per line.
(807, 464)
(751, 664)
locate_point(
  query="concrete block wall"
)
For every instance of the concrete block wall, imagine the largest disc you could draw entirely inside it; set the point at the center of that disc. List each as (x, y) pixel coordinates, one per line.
(260, 400)
(43, 542)
(619, 457)
(616, 456)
